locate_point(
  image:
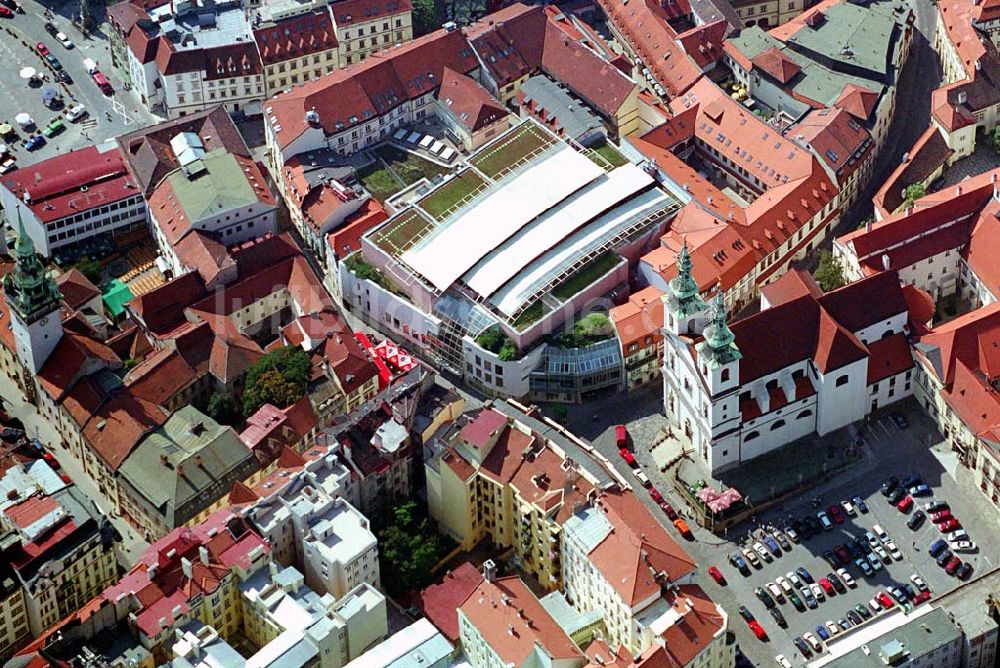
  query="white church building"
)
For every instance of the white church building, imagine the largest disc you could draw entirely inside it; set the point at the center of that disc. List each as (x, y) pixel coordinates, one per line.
(807, 362)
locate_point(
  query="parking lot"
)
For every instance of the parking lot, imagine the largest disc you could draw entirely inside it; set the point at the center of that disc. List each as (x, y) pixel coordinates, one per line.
(107, 117)
(889, 450)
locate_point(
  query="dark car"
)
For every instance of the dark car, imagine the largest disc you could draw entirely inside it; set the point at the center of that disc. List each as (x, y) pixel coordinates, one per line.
(831, 558)
(739, 563)
(64, 77)
(910, 592)
(815, 525)
(952, 566)
(854, 617)
(896, 496)
(864, 567)
(785, 545)
(746, 614)
(899, 419)
(863, 611)
(860, 504)
(916, 520)
(796, 601)
(944, 557)
(843, 554)
(34, 143)
(837, 513)
(889, 485)
(772, 545)
(778, 617)
(50, 28)
(837, 583)
(964, 571)
(937, 546)
(804, 574)
(764, 597)
(862, 545)
(898, 594)
(910, 480)
(801, 645)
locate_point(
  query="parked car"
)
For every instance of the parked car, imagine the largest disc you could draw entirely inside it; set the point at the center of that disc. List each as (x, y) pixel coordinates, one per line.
(792, 534)
(772, 545)
(875, 561)
(804, 574)
(41, 49)
(918, 582)
(738, 562)
(6, 13)
(864, 567)
(817, 591)
(920, 490)
(717, 575)
(34, 143)
(910, 480)
(899, 419)
(854, 617)
(944, 558)
(935, 506)
(641, 477)
(627, 456)
(860, 504)
(50, 28)
(794, 578)
(889, 485)
(746, 614)
(749, 555)
(849, 508)
(782, 661)
(964, 571)
(862, 611)
(758, 630)
(836, 582)
(893, 551)
(783, 583)
(846, 577)
(802, 646)
(762, 551)
(779, 618)
(949, 525)
(958, 535)
(905, 505)
(825, 520)
(764, 597)
(884, 600)
(843, 554)
(831, 558)
(941, 516)
(963, 546)
(683, 528)
(669, 511)
(897, 594)
(916, 519)
(813, 643)
(937, 547)
(77, 112)
(796, 601)
(836, 513)
(822, 632)
(64, 40)
(897, 495)
(780, 537)
(827, 587)
(952, 566)
(810, 600)
(54, 127)
(925, 595)
(655, 495)
(621, 436)
(775, 591)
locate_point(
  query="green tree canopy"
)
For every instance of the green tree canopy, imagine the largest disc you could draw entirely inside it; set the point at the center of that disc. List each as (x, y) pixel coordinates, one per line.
(426, 16)
(90, 268)
(280, 377)
(409, 547)
(222, 408)
(913, 192)
(829, 274)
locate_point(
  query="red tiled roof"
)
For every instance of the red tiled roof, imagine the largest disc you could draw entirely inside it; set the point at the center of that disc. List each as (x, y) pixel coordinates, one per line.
(162, 309)
(928, 154)
(483, 427)
(775, 63)
(440, 602)
(347, 238)
(793, 284)
(843, 144)
(514, 623)
(470, 103)
(888, 357)
(76, 288)
(119, 424)
(700, 621)
(349, 12)
(72, 356)
(71, 183)
(637, 548)
(858, 101)
(25, 513)
(383, 81)
(161, 376)
(296, 37)
(204, 254)
(639, 317)
(704, 42)
(972, 339)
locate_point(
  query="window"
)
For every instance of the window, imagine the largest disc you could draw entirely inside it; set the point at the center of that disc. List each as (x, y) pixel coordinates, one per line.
(752, 435)
(804, 414)
(842, 380)
(725, 375)
(777, 424)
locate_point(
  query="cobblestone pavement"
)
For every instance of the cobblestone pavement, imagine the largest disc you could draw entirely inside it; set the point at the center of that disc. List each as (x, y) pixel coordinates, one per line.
(983, 159)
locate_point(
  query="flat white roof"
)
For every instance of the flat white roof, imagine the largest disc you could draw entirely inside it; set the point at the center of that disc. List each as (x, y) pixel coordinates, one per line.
(592, 236)
(546, 231)
(453, 248)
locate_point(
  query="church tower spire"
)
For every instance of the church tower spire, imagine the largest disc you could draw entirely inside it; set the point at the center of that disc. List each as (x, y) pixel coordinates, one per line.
(719, 347)
(34, 300)
(683, 302)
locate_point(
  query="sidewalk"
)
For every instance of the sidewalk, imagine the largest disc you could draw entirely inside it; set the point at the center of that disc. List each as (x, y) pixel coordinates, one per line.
(36, 426)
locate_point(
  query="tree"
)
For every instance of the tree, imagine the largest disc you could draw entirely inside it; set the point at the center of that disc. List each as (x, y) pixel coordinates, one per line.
(912, 193)
(508, 351)
(221, 407)
(594, 325)
(90, 268)
(829, 274)
(426, 16)
(280, 377)
(409, 547)
(86, 16)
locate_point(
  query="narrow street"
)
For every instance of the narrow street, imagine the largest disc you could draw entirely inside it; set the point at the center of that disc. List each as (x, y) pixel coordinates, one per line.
(36, 426)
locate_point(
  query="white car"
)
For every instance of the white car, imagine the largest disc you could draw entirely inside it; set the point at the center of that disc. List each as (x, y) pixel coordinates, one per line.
(875, 606)
(846, 577)
(849, 508)
(762, 551)
(8, 165)
(815, 644)
(963, 546)
(882, 554)
(894, 551)
(793, 578)
(832, 626)
(751, 557)
(76, 113)
(641, 477)
(782, 661)
(64, 40)
(958, 535)
(881, 533)
(817, 592)
(775, 591)
(783, 583)
(792, 534)
(918, 582)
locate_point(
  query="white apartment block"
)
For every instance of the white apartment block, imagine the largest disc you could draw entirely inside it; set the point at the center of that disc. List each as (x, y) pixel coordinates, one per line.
(339, 551)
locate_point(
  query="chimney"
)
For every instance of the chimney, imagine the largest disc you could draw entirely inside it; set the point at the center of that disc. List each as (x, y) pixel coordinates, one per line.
(868, 225)
(197, 460)
(164, 460)
(151, 571)
(489, 570)
(958, 190)
(203, 554)
(180, 470)
(885, 261)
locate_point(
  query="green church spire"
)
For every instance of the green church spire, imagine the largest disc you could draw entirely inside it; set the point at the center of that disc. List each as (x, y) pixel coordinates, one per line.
(683, 297)
(719, 347)
(29, 289)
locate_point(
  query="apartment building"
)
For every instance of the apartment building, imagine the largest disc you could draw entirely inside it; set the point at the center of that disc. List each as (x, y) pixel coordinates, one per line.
(294, 47)
(638, 324)
(365, 27)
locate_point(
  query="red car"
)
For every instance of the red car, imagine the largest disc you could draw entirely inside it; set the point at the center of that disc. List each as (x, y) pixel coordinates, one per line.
(621, 436)
(843, 554)
(905, 504)
(949, 525)
(921, 597)
(952, 565)
(827, 587)
(884, 600)
(836, 514)
(941, 516)
(6, 13)
(758, 630)
(656, 496)
(42, 49)
(717, 575)
(627, 456)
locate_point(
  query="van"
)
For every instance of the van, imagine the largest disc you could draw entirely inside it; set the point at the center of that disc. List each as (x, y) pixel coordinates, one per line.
(621, 436)
(76, 113)
(102, 83)
(90, 66)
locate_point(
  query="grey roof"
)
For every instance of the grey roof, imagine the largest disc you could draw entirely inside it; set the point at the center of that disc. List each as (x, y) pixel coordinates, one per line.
(966, 604)
(567, 617)
(574, 117)
(186, 435)
(923, 634)
(588, 527)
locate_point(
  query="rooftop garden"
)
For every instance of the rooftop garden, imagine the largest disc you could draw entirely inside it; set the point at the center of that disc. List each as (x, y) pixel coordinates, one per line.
(495, 341)
(364, 271)
(529, 316)
(395, 169)
(586, 275)
(399, 234)
(606, 155)
(592, 328)
(511, 150)
(443, 200)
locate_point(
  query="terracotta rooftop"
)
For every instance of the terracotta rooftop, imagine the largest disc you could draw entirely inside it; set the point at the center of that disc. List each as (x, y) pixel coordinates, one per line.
(440, 601)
